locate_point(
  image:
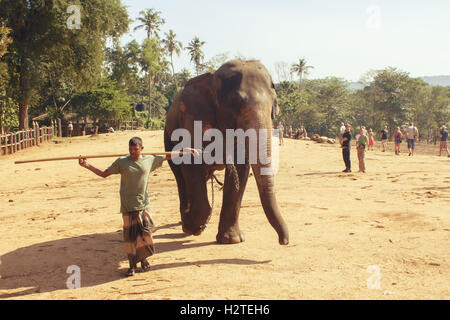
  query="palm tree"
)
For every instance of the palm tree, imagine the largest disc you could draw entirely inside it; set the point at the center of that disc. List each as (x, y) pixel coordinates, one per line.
(172, 46)
(151, 20)
(195, 50)
(301, 69)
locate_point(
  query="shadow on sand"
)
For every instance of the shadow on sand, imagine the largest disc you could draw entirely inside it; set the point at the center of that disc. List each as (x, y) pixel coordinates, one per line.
(42, 267)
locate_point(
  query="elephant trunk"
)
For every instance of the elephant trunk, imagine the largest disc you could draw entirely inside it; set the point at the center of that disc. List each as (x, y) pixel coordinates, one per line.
(263, 171)
(266, 190)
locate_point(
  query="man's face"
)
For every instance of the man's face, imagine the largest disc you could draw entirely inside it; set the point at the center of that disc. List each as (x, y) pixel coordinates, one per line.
(347, 128)
(135, 152)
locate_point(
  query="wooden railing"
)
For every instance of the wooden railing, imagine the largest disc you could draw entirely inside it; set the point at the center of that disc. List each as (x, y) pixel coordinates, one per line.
(128, 125)
(16, 141)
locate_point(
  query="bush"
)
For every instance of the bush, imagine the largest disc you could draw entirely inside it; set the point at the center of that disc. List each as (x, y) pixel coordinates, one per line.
(155, 124)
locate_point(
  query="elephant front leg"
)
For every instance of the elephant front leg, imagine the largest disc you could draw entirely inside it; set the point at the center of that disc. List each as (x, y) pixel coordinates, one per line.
(229, 231)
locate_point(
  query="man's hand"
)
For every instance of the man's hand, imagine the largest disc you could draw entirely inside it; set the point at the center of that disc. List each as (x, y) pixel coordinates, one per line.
(180, 153)
(82, 162)
(194, 152)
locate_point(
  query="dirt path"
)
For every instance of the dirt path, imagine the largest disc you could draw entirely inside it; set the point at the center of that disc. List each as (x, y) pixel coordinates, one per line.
(395, 217)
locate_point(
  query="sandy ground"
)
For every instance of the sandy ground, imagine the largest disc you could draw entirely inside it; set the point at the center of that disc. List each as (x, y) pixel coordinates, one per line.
(395, 217)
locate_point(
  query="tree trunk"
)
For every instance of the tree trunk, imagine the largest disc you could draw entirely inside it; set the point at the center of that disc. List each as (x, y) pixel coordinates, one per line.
(23, 104)
(2, 118)
(23, 117)
(173, 74)
(59, 128)
(149, 98)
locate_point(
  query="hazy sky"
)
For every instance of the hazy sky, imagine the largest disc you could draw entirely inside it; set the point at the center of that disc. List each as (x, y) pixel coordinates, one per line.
(339, 38)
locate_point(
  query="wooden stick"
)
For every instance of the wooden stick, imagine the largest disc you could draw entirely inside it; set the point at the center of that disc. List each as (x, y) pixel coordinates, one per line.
(94, 157)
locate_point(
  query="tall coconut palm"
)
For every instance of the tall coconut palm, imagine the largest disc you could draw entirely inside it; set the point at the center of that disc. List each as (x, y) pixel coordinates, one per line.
(301, 68)
(195, 50)
(172, 46)
(151, 20)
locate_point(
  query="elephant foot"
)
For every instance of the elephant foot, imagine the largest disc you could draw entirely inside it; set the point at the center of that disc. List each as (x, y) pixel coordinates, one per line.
(191, 230)
(230, 237)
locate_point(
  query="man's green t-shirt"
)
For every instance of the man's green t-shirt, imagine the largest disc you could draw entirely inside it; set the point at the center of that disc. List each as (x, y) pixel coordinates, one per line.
(134, 180)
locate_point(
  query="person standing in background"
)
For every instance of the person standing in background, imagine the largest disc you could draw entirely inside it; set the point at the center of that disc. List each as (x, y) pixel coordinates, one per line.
(371, 139)
(361, 144)
(341, 132)
(280, 133)
(346, 138)
(412, 134)
(444, 141)
(397, 138)
(384, 137)
(69, 129)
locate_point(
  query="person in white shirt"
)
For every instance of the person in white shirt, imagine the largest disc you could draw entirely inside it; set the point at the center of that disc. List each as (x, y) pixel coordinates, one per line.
(412, 135)
(341, 132)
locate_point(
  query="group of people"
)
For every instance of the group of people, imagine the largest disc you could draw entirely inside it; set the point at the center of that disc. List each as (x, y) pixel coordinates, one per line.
(365, 140)
(300, 133)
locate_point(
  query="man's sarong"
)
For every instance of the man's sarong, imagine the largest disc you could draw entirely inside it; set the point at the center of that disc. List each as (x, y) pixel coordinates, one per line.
(137, 234)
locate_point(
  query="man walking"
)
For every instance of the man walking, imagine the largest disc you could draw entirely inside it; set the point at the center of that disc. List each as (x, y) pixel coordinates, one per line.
(412, 135)
(346, 138)
(134, 201)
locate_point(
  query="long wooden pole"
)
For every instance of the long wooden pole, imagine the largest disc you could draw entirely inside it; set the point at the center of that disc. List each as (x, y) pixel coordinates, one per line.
(94, 157)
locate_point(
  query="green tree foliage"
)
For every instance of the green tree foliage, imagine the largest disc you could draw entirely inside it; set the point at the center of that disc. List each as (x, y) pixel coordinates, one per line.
(173, 46)
(390, 97)
(42, 40)
(122, 65)
(8, 110)
(107, 102)
(154, 64)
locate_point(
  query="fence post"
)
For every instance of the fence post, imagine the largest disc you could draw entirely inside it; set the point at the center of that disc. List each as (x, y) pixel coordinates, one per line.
(13, 137)
(38, 136)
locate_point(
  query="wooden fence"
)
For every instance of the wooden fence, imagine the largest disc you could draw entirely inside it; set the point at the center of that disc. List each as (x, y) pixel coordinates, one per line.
(13, 142)
(128, 125)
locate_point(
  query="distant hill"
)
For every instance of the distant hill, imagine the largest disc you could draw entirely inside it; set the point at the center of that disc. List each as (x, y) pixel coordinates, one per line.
(431, 80)
(437, 80)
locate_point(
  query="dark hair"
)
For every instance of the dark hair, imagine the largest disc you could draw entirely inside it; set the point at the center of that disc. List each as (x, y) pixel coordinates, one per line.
(136, 141)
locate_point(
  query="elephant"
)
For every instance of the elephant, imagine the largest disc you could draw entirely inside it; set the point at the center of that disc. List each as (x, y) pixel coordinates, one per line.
(239, 95)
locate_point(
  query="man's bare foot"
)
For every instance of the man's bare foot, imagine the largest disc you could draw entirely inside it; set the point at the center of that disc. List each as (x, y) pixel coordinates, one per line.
(145, 266)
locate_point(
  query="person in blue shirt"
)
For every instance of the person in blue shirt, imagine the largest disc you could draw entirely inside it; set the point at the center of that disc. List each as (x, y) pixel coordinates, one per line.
(444, 141)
